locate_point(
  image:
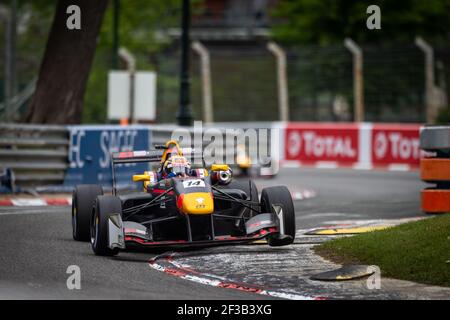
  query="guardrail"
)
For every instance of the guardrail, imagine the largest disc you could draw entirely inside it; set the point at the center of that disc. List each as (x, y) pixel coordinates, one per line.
(63, 156)
(36, 154)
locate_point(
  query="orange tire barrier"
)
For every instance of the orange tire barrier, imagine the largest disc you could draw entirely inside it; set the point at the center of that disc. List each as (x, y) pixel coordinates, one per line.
(435, 169)
(435, 200)
(436, 138)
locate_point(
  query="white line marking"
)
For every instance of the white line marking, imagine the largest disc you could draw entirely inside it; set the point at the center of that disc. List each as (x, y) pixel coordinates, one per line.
(35, 202)
(326, 165)
(291, 164)
(399, 167)
(362, 166)
(202, 279)
(28, 202)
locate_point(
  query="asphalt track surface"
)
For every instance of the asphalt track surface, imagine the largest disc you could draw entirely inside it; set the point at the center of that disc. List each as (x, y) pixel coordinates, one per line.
(36, 244)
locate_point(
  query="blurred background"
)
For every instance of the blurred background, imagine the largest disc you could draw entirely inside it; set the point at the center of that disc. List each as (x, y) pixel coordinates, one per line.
(243, 72)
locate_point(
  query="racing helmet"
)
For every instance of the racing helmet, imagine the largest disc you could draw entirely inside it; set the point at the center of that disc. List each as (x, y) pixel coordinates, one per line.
(178, 165)
(171, 149)
(167, 167)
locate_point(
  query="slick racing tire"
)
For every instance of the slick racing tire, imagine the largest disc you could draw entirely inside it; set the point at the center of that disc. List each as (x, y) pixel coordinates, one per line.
(83, 199)
(249, 187)
(103, 208)
(281, 196)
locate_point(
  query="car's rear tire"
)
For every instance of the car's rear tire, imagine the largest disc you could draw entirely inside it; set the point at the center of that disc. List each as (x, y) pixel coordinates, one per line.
(249, 187)
(281, 196)
(104, 206)
(83, 199)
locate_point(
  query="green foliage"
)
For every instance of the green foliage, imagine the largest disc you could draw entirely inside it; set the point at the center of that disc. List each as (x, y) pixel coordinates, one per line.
(139, 19)
(330, 21)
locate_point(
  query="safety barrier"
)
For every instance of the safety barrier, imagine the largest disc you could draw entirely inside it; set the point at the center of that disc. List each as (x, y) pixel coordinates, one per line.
(35, 154)
(55, 158)
(435, 169)
(63, 156)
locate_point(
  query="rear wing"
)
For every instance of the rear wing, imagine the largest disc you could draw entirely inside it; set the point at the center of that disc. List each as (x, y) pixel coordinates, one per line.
(150, 156)
(137, 156)
(145, 156)
(132, 157)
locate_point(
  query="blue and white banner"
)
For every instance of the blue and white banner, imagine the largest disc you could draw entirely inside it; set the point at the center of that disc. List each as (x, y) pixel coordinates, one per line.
(90, 153)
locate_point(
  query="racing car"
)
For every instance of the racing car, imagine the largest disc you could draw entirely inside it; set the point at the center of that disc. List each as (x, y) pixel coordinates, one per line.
(248, 167)
(188, 207)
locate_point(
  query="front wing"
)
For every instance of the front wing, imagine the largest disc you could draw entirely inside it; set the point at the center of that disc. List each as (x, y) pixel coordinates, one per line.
(125, 234)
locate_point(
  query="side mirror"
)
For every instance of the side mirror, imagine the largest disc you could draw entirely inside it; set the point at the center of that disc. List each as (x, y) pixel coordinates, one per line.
(141, 177)
(220, 167)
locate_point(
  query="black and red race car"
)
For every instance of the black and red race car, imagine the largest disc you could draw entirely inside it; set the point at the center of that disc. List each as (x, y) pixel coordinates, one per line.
(180, 210)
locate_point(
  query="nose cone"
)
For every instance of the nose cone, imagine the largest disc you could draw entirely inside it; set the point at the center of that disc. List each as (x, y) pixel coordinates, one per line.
(196, 203)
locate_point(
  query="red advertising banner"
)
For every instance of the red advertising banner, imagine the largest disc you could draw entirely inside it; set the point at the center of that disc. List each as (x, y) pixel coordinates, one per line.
(396, 144)
(312, 142)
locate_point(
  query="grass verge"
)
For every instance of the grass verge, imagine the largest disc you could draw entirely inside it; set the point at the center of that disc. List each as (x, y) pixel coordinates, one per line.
(416, 251)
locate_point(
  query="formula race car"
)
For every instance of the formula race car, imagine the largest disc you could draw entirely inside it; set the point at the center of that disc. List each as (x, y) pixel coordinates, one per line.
(180, 206)
(248, 167)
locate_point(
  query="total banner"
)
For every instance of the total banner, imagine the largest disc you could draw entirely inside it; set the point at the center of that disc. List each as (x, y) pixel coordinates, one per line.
(395, 145)
(357, 145)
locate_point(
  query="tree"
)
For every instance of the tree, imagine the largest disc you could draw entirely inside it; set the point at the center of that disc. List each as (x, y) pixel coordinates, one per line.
(328, 21)
(66, 65)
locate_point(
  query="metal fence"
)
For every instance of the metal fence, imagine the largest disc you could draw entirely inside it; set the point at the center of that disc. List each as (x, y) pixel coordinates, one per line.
(36, 154)
(320, 83)
(244, 82)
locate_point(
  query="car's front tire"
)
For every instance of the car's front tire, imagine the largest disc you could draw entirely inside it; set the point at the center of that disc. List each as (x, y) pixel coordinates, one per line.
(83, 199)
(280, 196)
(103, 208)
